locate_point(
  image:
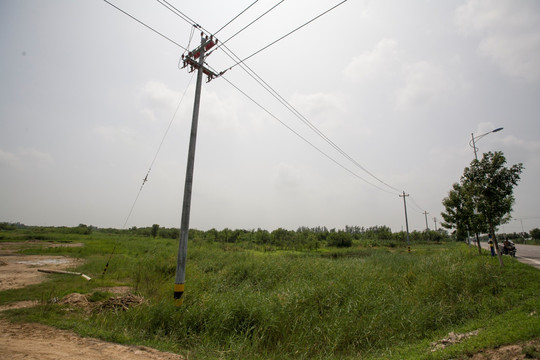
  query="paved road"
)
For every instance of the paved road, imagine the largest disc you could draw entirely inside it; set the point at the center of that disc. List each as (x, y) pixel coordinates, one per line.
(527, 254)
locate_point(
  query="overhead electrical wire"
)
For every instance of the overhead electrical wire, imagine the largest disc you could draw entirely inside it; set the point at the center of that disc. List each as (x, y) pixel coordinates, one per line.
(303, 138)
(142, 23)
(148, 173)
(416, 204)
(296, 113)
(267, 87)
(236, 17)
(274, 93)
(180, 14)
(248, 25)
(289, 33)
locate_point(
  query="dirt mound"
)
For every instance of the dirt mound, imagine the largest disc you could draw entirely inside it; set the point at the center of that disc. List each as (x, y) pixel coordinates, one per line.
(119, 290)
(115, 303)
(75, 299)
(120, 303)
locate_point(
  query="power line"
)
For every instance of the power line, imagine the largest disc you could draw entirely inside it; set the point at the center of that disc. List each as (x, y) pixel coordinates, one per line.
(167, 131)
(146, 177)
(304, 139)
(251, 23)
(257, 78)
(289, 33)
(149, 27)
(180, 14)
(301, 117)
(265, 85)
(417, 206)
(223, 27)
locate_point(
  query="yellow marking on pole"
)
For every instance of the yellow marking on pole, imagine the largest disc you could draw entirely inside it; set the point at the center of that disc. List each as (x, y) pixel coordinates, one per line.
(178, 292)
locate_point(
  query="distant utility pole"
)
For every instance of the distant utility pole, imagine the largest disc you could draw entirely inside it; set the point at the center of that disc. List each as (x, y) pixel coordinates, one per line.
(425, 214)
(190, 60)
(522, 229)
(435, 221)
(406, 220)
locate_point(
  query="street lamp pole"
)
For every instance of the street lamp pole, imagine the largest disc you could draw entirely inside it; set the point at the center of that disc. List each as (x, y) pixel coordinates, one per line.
(472, 143)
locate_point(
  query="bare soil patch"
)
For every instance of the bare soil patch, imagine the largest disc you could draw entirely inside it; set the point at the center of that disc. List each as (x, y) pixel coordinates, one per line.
(19, 271)
(526, 350)
(36, 341)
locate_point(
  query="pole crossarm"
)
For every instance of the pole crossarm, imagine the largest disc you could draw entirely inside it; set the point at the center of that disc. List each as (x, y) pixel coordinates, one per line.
(191, 59)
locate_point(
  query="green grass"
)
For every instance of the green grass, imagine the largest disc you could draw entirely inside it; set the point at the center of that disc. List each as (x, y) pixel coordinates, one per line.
(360, 302)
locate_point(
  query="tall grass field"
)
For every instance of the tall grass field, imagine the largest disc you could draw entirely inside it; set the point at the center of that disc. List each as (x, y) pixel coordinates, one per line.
(367, 301)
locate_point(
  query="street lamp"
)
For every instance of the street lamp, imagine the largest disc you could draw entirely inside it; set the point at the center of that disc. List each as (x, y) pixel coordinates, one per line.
(473, 138)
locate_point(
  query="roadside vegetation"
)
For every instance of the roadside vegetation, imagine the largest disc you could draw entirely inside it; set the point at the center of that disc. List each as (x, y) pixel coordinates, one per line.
(305, 294)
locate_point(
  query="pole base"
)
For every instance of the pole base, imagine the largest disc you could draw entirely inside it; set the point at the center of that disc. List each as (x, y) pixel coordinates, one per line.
(178, 292)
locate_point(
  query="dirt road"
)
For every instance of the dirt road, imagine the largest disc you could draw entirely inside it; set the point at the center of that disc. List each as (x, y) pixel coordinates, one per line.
(36, 341)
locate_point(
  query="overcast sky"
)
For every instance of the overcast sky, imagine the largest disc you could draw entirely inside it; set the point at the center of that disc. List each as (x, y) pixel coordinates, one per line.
(87, 94)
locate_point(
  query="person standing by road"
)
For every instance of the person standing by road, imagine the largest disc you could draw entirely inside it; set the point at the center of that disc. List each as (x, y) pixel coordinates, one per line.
(491, 246)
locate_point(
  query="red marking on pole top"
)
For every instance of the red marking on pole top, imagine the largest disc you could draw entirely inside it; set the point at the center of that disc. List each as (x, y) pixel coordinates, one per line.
(209, 44)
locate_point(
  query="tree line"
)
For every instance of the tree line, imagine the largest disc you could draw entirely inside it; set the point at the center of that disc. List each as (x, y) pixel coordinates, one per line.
(304, 238)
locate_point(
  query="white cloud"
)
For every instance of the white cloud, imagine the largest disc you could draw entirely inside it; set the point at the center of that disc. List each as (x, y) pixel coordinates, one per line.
(484, 127)
(221, 112)
(8, 159)
(320, 109)
(286, 178)
(529, 148)
(374, 64)
(26, 157)
(508, 32)
(157, 100)
(424, 83)
(111, 134)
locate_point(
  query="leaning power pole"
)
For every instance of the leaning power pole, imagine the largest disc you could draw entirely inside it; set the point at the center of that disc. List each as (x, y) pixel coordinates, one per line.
(406, 220)
(191, 61)
(425, 214)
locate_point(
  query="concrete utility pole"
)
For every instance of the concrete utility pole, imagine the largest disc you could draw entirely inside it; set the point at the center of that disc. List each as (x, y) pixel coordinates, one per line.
(435, 221)
(406, 220)
(425, 214)
(190, 60)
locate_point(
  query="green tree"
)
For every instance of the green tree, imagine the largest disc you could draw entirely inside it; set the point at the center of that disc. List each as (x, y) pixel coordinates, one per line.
(491, 186)
(535, 233)
(155, 230)
(459, 213)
